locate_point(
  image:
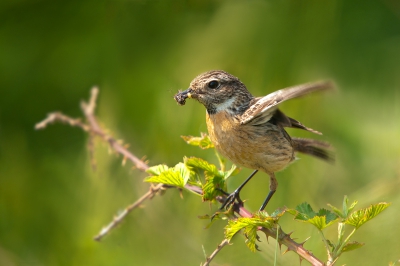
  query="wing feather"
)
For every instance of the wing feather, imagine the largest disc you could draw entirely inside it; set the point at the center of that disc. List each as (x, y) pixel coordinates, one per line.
(263, 107)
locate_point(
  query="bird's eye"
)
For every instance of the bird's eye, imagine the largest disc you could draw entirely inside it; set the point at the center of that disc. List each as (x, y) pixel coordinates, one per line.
(213, 84)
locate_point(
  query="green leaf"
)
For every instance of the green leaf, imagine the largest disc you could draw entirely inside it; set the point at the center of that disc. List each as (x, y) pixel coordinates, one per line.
(337, 211)
(169, 177)
(200, 164)
(304, 212)
(350, 209)
(183, 171)
(214, 178)
(330, 217)
(360, 217)
(210, 190)
(346, 209)
(203, 141)
(175, 176)
(251, 234)
(233, 171)
(352, 246)
(157, 170)
(278, 213)
(321, 220)
(250, 227)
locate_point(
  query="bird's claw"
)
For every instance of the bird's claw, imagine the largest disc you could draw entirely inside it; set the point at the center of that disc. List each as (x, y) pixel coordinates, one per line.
(230, 200)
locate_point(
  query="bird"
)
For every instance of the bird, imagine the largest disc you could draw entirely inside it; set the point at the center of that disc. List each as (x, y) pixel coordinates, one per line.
(250, 131)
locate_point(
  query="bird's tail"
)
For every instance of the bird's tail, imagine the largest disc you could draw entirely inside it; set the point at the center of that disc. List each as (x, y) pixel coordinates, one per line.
(316, 148)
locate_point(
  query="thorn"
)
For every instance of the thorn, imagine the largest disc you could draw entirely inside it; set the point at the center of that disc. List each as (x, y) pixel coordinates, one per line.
(258, 238)
(286, 251)
(302, 243)
(301, 259)
(124, 161)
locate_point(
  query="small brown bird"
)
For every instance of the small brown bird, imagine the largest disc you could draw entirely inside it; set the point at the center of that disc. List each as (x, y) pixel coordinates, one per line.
(249, 131)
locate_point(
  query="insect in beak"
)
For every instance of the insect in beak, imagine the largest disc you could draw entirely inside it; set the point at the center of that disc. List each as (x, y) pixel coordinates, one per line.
(181, 96)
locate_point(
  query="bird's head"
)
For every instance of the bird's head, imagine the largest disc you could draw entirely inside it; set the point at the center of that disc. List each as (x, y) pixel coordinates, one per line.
(218, 91)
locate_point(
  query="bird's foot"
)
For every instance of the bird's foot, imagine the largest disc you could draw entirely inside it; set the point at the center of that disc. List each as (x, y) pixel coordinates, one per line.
(230, 199)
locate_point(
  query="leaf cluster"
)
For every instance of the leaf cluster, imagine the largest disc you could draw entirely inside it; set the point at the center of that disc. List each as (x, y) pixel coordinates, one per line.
(194, 171)
(325, 218)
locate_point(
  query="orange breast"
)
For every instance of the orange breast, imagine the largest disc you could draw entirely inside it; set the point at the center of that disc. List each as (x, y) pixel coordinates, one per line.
(263, 147)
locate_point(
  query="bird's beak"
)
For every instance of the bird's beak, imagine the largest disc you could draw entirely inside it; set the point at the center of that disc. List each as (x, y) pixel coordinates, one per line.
(181, 96)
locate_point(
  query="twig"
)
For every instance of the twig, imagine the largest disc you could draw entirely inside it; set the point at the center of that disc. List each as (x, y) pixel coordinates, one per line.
(218, 249)
(93, 128)
(118, 219)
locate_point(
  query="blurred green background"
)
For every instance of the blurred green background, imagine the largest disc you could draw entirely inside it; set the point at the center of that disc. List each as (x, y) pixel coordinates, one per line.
(140, 53)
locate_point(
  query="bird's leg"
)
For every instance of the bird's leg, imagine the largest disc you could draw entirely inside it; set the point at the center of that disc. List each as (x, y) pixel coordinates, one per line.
(230, 199)
(273, 184)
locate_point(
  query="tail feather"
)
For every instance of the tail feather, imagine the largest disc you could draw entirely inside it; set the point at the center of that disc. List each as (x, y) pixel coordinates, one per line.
(316, 148)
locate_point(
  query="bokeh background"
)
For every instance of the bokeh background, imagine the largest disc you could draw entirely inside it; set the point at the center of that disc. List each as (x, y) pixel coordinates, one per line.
(140, 53)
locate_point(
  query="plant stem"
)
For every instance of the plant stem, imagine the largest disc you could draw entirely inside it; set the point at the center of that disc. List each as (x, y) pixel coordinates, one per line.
(327, 246)
(220, 160)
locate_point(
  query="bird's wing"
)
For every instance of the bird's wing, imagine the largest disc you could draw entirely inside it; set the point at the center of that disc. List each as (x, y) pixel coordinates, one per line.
(262, 108)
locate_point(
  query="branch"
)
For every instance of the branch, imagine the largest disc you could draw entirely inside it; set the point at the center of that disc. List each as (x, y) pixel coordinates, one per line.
(283, 239)
(94, 129)
(118, 219)
(218, 249)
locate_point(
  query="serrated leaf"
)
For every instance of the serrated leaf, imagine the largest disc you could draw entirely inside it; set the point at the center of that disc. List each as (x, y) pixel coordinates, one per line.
(346, 208)
(157, 169)
(350, 209)
(352, 246)
(304, 212)
(233, 171)
(337, 211)
(250, 227)
(176, 176)
(360, 217)
(330, 217)
(210, 188)
(169, 177)
(278, 213)
(184, 172)
(251, 234)
(321, 220)
(200, 164)
(203, 141)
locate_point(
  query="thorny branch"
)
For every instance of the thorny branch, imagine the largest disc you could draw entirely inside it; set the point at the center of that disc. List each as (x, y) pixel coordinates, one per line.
(95, 130)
